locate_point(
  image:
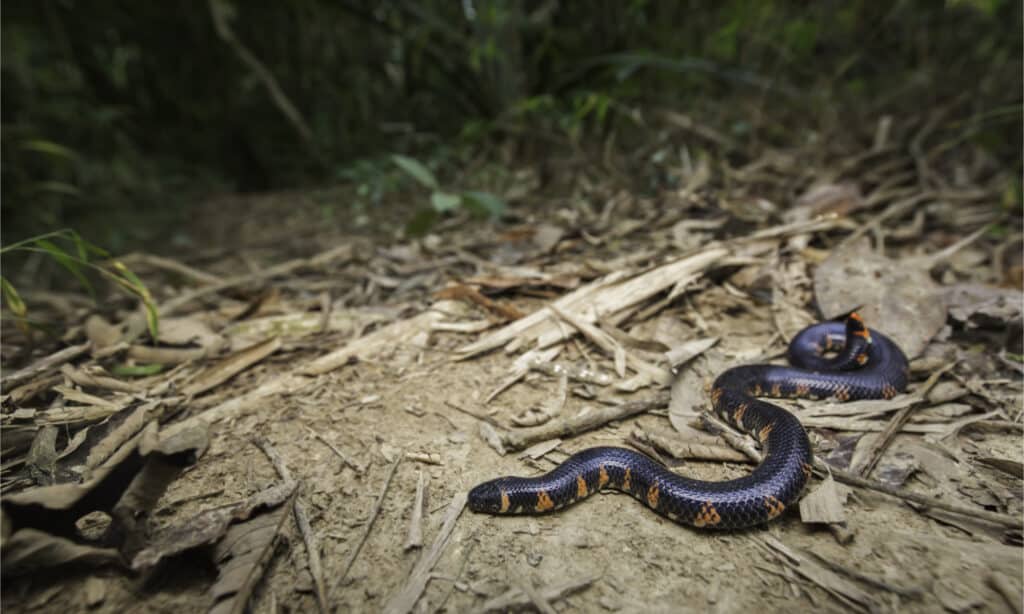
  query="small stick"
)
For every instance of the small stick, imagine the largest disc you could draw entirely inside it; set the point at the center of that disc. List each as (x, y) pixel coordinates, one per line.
(345, 459)
(523, 438)
(302, 521)
(899, 420)
(682, 449)
(167, 264)
(369, 522)
(538, 600)
(405, 599)
(44, 364)
(415, 537)
(515, 597)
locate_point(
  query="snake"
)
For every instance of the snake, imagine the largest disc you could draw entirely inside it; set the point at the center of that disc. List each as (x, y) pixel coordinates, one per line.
(840, 359)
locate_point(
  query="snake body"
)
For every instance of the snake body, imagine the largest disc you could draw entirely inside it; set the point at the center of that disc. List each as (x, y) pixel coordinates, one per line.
(865, 365)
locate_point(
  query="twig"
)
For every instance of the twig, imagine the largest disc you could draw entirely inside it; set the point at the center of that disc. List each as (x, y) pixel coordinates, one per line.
(345, 459)
(44, 364)
(539, 601)
(369, 523)
(881, 444)
(506, 441)
(159, 262)
(405, 599)
(680, 449)
(515, 597)
(302, 521)
(415, 537)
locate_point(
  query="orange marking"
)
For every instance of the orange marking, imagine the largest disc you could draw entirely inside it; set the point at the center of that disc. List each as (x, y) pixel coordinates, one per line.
(775, 507)
(581, 487)
(544, 502)
(602, 478)
(856, 316)
(763, 435)
(652, 496)
(828, 344)
(888, 391)
(505, 503)
(627, 483)
(861, 359)
(776, 390)
(757, 390)
(707, 516)
(842, 393)
(802, 389)
(737, 416)
(716, 396)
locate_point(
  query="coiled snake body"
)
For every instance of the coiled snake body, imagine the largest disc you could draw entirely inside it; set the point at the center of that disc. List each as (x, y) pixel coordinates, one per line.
(867, 365)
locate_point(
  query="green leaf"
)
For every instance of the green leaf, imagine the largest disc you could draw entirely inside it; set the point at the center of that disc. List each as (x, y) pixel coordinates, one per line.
(135, 285)
(443, 201)
(484, 202)
(66, 261)
(12, 298)
(137, 370)
(416, 170)
(50, 148)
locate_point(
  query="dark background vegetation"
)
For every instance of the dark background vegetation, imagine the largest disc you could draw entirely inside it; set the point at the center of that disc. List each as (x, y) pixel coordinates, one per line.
(119, 116)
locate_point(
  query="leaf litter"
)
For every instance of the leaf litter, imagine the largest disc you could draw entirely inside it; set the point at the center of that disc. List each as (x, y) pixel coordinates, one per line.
(382, 378)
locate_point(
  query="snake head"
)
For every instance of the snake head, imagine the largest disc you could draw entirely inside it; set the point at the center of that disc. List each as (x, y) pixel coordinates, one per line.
(489, 497)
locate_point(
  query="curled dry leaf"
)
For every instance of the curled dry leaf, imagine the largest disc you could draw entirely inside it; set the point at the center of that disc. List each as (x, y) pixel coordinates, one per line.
(39, 525)
(825, 503)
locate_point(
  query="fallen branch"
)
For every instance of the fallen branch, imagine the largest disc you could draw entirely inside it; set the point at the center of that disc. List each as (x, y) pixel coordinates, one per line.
(504, 440)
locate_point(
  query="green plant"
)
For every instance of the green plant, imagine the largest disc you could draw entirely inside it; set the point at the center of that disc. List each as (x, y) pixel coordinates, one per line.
(74, 256)
(442, 201)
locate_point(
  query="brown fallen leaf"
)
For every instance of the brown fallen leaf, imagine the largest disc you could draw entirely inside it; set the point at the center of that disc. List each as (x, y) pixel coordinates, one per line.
(893, 297)
(825, 503)
(241, 557)
(231, 365)
(209, 526)
(39, 525)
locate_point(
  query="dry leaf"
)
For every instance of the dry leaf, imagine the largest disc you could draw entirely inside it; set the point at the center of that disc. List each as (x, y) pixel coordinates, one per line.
(893, 297)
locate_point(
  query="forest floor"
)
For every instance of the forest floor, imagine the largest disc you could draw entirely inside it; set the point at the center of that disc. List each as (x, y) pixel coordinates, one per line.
(330, 394)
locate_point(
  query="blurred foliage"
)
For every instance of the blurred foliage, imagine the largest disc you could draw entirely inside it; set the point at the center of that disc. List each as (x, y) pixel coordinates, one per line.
(115, 114)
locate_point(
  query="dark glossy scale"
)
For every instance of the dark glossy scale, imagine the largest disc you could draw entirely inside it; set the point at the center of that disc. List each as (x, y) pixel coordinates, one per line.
(867, 365)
